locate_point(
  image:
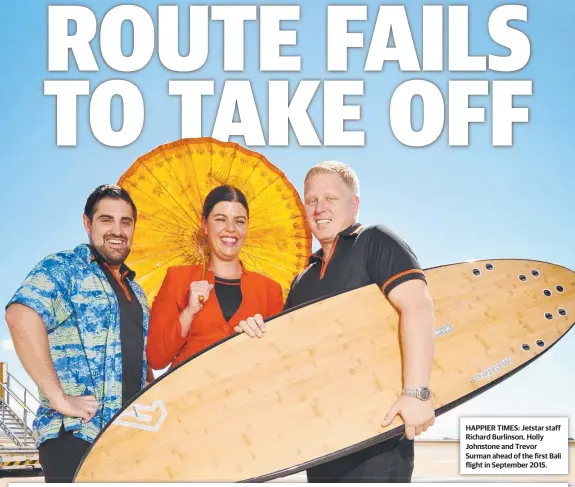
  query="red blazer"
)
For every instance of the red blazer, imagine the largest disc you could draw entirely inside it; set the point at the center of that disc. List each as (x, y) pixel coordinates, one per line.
(166, 345)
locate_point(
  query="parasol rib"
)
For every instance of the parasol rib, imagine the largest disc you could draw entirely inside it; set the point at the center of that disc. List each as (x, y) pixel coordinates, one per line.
(167, 192)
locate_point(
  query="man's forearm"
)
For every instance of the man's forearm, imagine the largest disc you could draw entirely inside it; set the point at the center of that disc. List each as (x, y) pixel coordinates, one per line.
(31, 345)
(417, 338)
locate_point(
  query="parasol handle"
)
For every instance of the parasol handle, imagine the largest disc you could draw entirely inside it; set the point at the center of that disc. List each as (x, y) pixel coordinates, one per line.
(201, 298)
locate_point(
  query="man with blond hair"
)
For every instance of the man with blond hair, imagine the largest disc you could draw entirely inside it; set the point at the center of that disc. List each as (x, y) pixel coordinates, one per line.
(352, 256)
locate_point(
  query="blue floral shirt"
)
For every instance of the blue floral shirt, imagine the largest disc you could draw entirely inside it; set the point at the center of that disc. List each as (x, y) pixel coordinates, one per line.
(82, 317)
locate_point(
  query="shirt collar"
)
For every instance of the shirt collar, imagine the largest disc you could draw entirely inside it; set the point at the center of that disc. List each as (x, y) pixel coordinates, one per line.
(350, 232)
(245, 271)
(92, 255)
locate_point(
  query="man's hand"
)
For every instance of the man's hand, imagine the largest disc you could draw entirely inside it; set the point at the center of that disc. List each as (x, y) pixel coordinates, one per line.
(84, 407)
(252, 326)
(417, 415)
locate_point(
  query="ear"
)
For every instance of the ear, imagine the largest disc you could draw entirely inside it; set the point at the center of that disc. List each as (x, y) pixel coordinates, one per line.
(355, 204)
(87, 224)
(204, 225)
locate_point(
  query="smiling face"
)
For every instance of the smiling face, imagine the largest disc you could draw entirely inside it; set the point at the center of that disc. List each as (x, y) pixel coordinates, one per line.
(330, 206)
(226, 229)
(111, 230)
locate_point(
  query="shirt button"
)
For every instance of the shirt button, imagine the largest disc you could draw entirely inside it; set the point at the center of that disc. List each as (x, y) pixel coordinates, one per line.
(226, 327)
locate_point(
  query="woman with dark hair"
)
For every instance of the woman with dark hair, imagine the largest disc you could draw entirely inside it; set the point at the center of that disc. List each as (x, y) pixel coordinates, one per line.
(192, 311)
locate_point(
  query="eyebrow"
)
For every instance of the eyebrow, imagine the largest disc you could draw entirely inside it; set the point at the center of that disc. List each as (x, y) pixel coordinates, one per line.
(124, 218)
(225, 216)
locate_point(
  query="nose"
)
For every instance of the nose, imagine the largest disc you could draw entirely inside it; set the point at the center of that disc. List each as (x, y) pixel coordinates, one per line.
(320, 207)
(230, 226)
(117, 229)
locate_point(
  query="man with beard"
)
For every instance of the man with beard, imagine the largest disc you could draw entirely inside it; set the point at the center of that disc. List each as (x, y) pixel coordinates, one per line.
(79, 324)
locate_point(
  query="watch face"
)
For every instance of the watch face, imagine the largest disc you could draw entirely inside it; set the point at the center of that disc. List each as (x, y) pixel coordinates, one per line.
(425, 393)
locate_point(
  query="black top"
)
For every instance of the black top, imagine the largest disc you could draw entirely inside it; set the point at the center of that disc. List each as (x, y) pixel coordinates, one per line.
(229, 294)
(359, 256)
(131, 330)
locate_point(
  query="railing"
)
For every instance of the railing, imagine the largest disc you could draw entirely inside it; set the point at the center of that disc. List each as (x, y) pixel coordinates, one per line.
(15, 439)
(16, 415)
(26, 391)
(23, 405)
(9, 389)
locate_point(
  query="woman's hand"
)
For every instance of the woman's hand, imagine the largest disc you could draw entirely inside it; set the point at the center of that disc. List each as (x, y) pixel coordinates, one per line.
(198, 289)
(253, 326)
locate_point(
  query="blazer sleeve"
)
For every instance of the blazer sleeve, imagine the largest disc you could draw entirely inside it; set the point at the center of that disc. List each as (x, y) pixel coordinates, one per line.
(164, 334)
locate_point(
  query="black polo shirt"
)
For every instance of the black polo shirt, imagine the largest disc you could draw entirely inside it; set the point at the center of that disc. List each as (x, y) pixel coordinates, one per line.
(131, 328)
(361, 256)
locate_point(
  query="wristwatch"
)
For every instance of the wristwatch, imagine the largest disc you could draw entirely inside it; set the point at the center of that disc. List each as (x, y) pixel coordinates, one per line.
(421, 393)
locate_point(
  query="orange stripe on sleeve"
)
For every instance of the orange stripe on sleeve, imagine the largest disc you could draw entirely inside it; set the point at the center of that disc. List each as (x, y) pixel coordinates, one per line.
(401, 274)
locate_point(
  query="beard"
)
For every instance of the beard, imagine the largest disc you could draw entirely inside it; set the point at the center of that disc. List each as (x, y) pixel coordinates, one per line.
(113, 256)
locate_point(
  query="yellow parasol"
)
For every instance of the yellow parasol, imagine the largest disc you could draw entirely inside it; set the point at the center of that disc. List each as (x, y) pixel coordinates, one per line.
(168, 186)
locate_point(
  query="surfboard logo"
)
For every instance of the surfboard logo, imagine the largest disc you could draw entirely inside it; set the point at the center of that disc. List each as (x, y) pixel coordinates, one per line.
(491, 370)
(442, 330)
(136, 416)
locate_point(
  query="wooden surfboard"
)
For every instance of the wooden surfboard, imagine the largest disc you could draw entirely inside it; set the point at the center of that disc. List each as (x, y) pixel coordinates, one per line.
(319, 383)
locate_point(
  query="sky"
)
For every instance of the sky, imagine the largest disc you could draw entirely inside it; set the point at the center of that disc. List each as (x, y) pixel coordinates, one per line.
(451, 204)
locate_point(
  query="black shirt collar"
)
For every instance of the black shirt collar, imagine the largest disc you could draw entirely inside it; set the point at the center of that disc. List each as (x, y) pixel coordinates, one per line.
(350, 232)
(125, 271)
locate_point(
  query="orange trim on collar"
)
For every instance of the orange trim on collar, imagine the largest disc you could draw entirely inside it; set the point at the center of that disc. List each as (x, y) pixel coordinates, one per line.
(318, 255)
(357, 230)
(352, 230)
(120, 281)
(326, 262)
(126, 271)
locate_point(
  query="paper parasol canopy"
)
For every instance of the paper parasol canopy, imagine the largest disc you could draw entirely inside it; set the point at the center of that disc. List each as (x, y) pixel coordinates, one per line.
(169, 185)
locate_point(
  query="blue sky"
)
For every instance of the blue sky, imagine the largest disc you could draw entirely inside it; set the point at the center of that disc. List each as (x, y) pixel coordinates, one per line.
(451, 204)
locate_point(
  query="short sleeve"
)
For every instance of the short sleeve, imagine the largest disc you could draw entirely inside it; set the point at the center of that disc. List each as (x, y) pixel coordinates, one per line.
(42, 291)
(389, 260)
